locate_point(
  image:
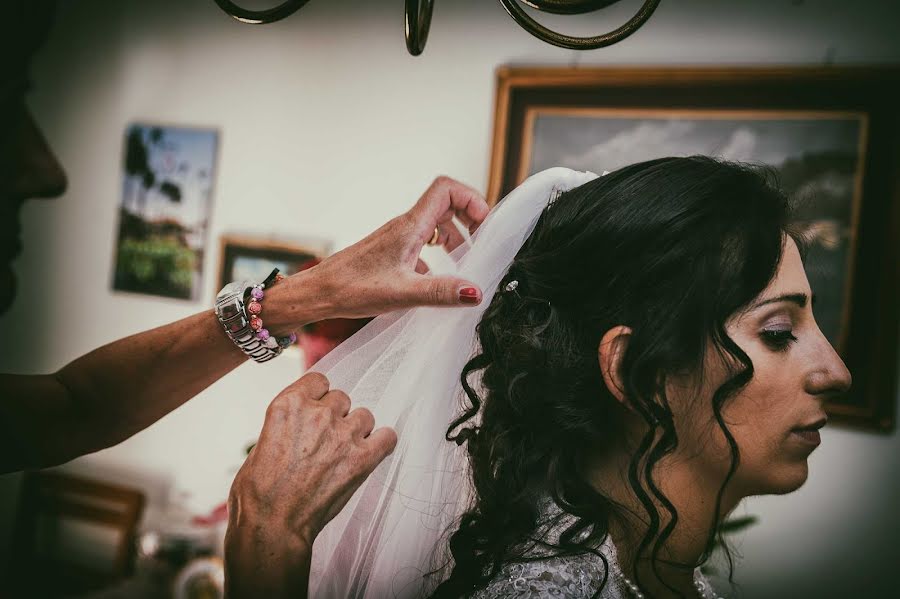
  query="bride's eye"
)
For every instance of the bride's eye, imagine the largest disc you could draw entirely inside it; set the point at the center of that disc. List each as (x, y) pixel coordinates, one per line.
(778, 339)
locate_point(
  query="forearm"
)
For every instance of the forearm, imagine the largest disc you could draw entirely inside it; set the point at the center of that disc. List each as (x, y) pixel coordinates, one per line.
(121, 388)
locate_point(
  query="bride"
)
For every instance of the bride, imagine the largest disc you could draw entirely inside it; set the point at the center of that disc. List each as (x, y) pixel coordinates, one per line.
(645, 356)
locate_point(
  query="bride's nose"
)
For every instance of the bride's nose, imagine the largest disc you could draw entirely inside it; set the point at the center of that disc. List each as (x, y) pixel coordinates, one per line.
(830, 375)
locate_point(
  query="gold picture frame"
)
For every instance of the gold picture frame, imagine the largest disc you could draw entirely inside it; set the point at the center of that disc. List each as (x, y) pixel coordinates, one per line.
(253, 258)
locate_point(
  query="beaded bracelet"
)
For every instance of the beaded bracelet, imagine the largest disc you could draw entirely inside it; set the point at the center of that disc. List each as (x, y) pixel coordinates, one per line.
(254, 309)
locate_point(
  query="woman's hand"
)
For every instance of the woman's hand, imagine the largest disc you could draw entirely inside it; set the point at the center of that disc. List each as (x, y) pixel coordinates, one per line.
(312, 454)
(383, 272)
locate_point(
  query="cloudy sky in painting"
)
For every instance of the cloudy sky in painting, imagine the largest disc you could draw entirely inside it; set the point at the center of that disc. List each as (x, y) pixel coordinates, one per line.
(600, 143)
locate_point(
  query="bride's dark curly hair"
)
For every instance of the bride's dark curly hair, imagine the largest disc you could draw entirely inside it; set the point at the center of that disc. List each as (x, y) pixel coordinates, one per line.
(671, 248)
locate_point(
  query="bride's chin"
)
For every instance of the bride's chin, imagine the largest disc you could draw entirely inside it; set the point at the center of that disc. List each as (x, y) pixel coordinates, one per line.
(784, 479)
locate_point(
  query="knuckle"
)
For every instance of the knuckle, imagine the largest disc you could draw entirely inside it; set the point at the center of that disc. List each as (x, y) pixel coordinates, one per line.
(340, 395)
(317, 383)
(340, 399)
(390, 439)
(279, 407)
(366, 415)
(440, 291)
(362, 419)
(387, 441)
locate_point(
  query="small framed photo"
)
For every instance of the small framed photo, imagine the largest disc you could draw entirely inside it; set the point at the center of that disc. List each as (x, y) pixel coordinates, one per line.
(168, 175)
(253, 258)
(832, 135)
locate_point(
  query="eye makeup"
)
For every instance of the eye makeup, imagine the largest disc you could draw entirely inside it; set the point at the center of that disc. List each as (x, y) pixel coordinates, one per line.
(778, 333)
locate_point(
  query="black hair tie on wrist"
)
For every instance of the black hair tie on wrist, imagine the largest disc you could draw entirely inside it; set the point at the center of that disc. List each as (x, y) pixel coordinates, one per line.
(271, 278)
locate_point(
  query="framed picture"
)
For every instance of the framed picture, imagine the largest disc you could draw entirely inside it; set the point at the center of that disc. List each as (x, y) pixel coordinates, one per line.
(832, 134)
(253, 258)
(167, 184)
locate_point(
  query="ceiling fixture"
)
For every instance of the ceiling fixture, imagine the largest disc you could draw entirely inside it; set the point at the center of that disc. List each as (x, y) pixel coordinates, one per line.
(418, 20)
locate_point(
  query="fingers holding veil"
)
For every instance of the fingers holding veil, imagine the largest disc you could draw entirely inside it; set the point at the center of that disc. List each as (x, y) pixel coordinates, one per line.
(445, 199)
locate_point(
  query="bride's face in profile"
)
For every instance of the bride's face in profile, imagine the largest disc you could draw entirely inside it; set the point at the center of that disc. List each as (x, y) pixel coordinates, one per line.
(796, 370)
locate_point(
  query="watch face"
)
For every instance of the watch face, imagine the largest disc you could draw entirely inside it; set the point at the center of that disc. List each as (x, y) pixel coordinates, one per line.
(229, 310)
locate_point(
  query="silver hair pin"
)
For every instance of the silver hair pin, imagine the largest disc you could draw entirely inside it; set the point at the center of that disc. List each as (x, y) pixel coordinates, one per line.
(554, 195)
(512, 285)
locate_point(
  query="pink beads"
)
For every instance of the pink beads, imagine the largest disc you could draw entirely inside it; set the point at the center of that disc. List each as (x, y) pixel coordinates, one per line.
(254, 309)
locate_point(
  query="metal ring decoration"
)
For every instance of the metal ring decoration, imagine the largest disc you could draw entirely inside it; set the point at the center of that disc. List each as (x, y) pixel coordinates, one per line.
(260, 17)
(418, 20)
(576, 6)
(569, 7)
(418, 23)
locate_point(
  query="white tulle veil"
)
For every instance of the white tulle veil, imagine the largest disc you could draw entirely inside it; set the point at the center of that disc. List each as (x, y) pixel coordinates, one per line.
(405, 367)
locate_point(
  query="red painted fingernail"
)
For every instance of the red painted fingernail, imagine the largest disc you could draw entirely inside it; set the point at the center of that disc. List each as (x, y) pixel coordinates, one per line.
(468, 295)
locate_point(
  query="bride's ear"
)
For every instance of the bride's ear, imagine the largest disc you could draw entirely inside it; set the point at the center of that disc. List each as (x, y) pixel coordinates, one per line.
(610, 352)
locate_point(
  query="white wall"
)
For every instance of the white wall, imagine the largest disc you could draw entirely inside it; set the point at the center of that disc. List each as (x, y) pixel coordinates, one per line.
(328, 128)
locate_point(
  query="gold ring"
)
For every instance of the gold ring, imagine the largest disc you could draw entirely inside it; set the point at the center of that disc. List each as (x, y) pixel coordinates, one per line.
(435, 237)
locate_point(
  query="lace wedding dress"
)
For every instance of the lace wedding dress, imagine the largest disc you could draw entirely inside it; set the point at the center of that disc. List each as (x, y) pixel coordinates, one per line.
(570, 577)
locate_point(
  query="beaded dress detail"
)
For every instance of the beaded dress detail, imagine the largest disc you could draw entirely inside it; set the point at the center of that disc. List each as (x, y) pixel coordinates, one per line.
(573, 576)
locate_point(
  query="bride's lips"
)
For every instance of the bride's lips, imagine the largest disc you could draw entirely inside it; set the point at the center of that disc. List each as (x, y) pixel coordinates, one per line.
(809, 434)
(810, 437)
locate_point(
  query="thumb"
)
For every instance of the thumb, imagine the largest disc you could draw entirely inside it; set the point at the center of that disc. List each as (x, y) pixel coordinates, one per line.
(445, 291)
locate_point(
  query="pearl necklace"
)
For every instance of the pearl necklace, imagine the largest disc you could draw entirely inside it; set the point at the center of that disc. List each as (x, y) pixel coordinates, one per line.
(705, 591)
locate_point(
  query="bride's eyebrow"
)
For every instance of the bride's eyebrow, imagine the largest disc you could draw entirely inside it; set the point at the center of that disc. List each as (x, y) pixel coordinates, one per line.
(798, 298)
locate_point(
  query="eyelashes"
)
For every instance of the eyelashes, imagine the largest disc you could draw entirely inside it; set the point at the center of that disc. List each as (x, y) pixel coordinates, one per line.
(778, 339)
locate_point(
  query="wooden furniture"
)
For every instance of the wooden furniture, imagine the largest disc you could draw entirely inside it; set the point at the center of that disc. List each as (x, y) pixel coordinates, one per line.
(59, 520)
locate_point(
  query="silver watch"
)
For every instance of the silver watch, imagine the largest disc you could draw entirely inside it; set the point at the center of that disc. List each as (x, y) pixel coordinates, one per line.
(232, 315)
